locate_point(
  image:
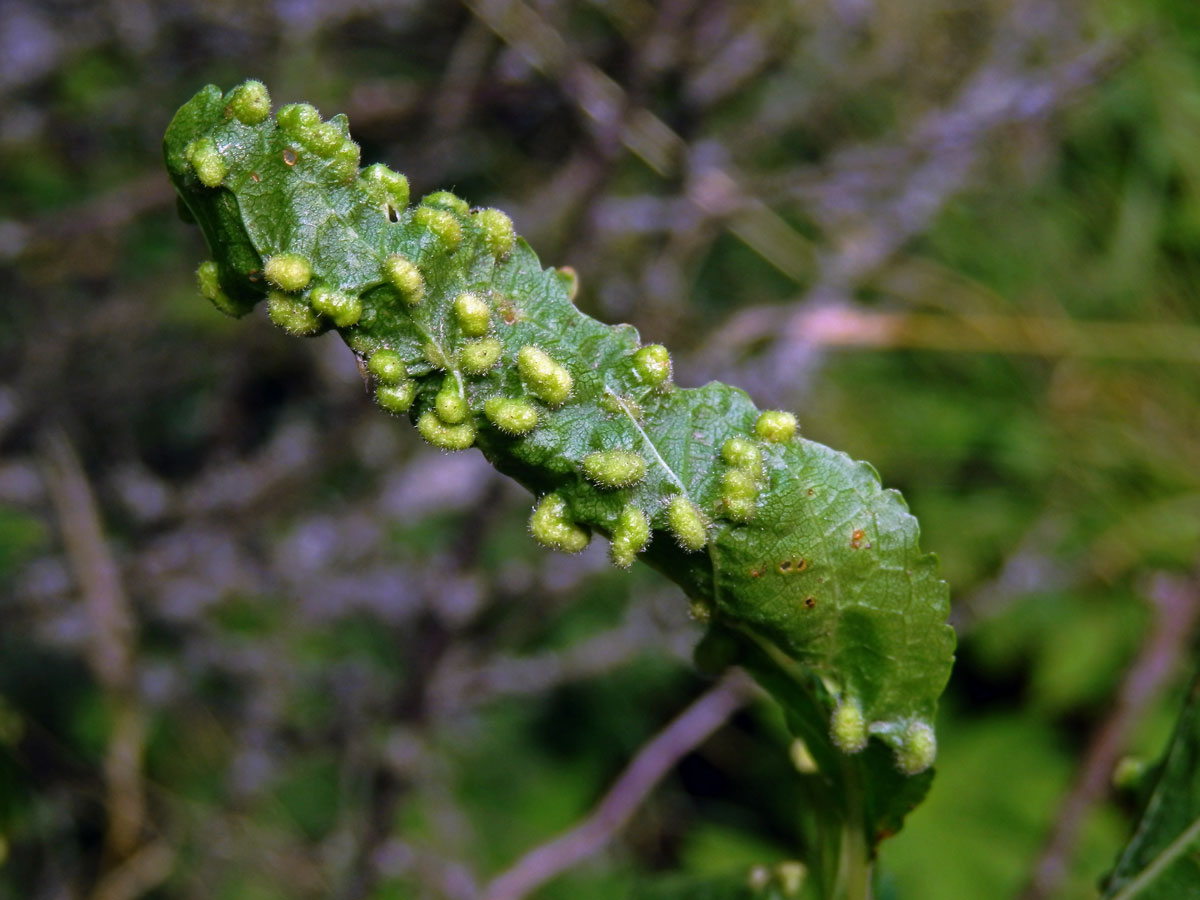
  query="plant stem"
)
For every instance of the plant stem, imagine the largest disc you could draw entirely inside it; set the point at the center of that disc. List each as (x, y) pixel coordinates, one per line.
(854, 865)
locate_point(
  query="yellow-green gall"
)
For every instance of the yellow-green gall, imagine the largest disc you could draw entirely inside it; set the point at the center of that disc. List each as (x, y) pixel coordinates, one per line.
(440, 223)
(447, 200)
(473, 314)
(445, 435)
(207, 162)
(791, 875)
(918, 748)
(629, 537)
(208, 279)
(511, 416)
(396, 398)
(405, 277)
(744, 454)
(324, 139)
(614, 468)
(434, 356)
(551, 527)
(393, 185)
(297, 119)
(344, 309)
(546, 379)
(387, 366)
(847, 727)
(250, 103)
(687, 523)
(739, 490)
(497, 230)
(569, 279)
(292, 315)
(652, 364)
(289, 271)
(343, 162)
(450, 403)
(776, 426)
(477, 357)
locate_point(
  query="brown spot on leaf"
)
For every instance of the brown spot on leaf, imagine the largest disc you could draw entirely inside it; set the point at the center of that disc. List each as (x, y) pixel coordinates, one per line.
(810, 602)
(508, 312)
(857, 540)
(254, 177)
(793, 566)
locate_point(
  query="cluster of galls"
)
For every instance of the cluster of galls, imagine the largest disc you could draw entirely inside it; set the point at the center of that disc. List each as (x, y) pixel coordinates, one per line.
(850, 731)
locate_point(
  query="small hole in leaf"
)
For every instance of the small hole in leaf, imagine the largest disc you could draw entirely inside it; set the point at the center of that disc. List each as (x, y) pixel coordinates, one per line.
(810, 602)
(289, 156)
(393, 214)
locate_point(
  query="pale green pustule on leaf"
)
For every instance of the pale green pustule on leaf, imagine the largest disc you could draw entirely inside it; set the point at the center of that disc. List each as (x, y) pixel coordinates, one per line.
(776, 426)
(545, 378)
(448, 436)
(629, 536)
(614, 469)
(687, 523)
(405, 277)
(653, 364)
(570, 280)
(207, 162)
(298, 119)
(250, 103)
(442, 224)
(739, 491)
(447, 200)
(288, 271)
(396, 398)
(343, 162)
(918, 748)
(344, 309)
(473, 314)
(450, 403)
(209, 281)
(292, 314)
(393, 185)
(847, 727)
(742, 453)
(323, 140)
(511, 416)
(618, 405)
(477, 357)
(551, 527)
(387, 366)
(497, 230)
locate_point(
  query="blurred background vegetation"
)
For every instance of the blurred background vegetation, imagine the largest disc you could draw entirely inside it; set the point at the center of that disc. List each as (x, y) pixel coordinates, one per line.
(258, 641)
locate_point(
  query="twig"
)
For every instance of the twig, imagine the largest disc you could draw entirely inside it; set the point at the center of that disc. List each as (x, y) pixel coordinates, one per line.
(1176, 603)
(686, 732)
(110, 649)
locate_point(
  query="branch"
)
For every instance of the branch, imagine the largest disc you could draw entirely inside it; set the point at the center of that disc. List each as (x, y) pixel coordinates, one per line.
(1176, 603)
(686, 732)
(110, 649)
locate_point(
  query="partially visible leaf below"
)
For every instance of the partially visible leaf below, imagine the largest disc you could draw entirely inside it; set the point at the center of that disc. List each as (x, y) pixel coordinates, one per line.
(1162, 859)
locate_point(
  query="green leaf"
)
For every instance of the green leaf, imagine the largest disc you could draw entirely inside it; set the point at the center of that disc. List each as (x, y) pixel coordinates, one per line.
(1162, 859)
(792, 546)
